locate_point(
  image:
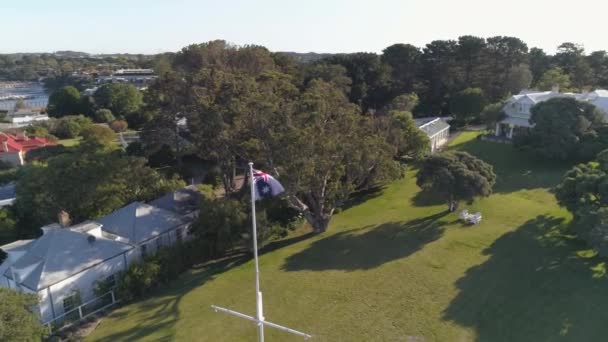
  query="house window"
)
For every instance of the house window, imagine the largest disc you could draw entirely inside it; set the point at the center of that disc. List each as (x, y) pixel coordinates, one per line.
(178, 235)
(143, 251)
(71, 302)
(111, 281)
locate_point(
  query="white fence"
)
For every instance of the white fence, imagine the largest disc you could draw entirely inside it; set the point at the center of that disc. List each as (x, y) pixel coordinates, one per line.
(81, 312)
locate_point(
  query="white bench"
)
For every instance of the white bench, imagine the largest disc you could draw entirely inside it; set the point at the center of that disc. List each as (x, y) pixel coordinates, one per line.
(470, 218)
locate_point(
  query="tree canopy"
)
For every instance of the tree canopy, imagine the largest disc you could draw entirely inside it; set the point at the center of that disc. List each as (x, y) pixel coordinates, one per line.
(17, 322)
(88, 183)
(456, 176)
(65, 101)
(123, 100)
(565, 128)
(467, 104)
(584, 193)
(554, 77)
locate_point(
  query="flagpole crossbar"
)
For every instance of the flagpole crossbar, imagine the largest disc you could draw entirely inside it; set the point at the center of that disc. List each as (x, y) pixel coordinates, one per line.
(261, 322)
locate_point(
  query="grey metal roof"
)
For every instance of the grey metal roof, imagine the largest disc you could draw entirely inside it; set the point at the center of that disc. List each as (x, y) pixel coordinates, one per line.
(138, 222)
(85, 226)
(432, 126)
(181, 201)
(7, 194)
(18, 245)
(59, 254)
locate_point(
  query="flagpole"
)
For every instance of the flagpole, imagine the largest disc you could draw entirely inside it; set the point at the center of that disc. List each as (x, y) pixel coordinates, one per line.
(258, 293)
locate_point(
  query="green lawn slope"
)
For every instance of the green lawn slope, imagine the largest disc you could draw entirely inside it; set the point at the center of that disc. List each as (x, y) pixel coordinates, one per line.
(395, 266)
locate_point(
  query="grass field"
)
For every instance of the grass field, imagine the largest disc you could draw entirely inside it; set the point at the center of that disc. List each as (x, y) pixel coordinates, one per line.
(398, 267)
(69, 142)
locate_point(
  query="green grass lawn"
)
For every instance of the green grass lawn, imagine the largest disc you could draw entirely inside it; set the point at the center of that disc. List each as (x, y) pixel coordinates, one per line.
(397, 267)
(69, 142)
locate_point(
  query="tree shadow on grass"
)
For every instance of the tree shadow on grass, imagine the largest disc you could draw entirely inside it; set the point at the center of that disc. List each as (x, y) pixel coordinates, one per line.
(367, 247)
(534, 287)
(426, 198)
(160, 310)
(360, 197)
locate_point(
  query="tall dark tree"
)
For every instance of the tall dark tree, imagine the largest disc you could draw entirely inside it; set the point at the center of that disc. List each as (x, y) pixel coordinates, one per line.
(166, 101)
(539, 63)
(405, 63)
(503, 54)
(439, 68)
(598, 61)
(456, 176)
(123, 100)
(565, 128)
(469, 55)
(64, 101)
(370, 79)
(466, 105)
(571, 58)
(584, 193)
(323, 150)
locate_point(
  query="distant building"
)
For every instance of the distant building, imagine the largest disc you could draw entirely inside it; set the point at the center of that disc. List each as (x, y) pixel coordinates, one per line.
(517, 108)
(14, 147)
(25, 117)
(138, 77)
(437, 129)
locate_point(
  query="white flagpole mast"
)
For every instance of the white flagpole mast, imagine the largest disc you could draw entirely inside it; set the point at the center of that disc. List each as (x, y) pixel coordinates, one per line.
(259, 319)
(258, 294)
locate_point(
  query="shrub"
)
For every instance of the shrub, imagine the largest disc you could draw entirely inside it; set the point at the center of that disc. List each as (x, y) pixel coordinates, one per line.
(161, 268)
(3, 255)
(69, 127)
(99, 135)
(119, 126)
(37, 130)
(221, 224)
(138, 279)
(44, 153)
(103, 116)
(7, 176)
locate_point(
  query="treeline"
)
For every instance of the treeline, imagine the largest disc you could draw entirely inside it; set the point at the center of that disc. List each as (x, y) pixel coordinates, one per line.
(56, 68)
(499, 66)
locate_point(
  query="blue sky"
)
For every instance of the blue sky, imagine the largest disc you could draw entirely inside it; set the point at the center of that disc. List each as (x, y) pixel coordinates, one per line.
(153, 26)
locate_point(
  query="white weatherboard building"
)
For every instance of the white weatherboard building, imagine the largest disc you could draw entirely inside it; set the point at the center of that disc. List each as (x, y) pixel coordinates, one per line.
(517, 108)
(64, 264)
(437, 129)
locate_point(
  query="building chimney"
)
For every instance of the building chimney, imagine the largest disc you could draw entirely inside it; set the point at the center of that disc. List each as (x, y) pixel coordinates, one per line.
(46, 229)
(555, 88)
(63, 218)
(5, 146)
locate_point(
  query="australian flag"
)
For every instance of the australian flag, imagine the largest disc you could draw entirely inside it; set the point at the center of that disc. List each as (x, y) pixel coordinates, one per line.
(265, 185)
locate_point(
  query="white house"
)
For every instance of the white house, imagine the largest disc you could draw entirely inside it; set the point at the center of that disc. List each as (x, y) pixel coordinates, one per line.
(63, 265)
(437, 129)
(517, 108)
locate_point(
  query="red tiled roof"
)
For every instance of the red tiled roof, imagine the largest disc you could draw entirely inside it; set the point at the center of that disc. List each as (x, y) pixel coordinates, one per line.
(19, 143)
